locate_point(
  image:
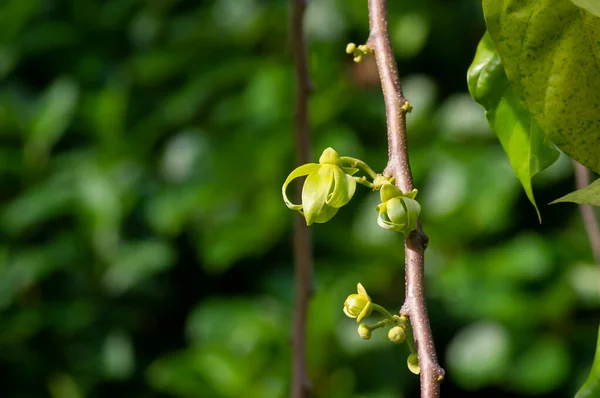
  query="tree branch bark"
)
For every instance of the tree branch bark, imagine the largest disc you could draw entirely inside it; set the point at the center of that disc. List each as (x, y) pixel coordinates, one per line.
(303, 257)
(582, 180)
(398, 166)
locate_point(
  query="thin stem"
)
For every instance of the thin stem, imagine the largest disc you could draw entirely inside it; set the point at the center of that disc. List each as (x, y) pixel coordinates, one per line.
(359, 163)
(383, 311)
(410, 340)
(582, 180)
(379, 324)
(303, 256)
(398, 166)
(363, 181)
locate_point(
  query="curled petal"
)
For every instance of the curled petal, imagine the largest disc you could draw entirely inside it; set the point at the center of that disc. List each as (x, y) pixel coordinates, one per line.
(365, 312)
(314, 196)
(343, 188)
(413, 209)
(348, 314)
(396, 211)
(384, 223)
(300, 171)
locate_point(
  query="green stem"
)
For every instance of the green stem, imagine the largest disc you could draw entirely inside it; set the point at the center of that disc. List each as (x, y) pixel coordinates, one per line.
(410, 339)
(379, 324)
(363, 180)
(359, 163)
(384, 312)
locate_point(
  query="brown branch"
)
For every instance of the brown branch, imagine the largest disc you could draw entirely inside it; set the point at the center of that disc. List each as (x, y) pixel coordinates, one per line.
(582, 180)
(398, 166)
(303, 257)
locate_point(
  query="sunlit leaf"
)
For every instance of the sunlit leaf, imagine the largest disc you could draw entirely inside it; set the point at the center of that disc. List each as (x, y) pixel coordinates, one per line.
(523, 141)
(589, 195)
(591, 387)
(592, 6)
(550, 52)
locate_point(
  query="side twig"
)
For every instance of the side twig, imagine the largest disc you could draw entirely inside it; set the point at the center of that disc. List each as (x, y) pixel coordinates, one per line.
(398, 166)
(303, 258)
(582, 180)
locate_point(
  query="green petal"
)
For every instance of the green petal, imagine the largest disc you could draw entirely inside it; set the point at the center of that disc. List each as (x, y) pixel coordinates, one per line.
(330, 156)
(361, 290)
(326, 214)
(412, 194)
(413, 209)
(344, 187)
(397, 212)
(385, 224)
(314, 194)
(365, 312)
(298, 172)
(389, 191)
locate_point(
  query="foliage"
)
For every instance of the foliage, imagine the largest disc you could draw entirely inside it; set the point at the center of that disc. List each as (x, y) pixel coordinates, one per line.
(528, 150)
(549, 52)
(588, 195)
(145, 250)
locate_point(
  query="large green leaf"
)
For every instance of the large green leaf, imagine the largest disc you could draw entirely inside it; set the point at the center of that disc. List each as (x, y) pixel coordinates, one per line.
(592, 6)
(589, 195)
(550, 50)
(521, 137)
(591, 387)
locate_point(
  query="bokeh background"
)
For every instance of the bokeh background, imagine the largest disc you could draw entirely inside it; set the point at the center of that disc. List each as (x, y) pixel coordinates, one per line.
(145, 250)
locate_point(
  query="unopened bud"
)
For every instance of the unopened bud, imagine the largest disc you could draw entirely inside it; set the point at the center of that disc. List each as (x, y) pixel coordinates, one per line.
(364, 332)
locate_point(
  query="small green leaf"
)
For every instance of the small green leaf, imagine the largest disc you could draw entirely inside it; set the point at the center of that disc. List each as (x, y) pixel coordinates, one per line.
(591, 387)
(53, 116)
(550, 52)
(589, 195)
(523, 141)
(592, 6)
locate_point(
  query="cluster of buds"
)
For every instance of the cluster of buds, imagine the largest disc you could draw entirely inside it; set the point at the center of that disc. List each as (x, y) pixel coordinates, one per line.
(360, 306)
(330, 184)
(358, 52)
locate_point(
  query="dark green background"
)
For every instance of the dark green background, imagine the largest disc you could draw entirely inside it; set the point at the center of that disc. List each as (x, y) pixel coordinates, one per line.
(145, 250)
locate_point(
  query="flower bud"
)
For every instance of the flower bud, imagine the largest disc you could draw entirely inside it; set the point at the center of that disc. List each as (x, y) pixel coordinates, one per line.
(364, 332)
(398, 211)
(358, 305)
(413, 364)
(397, 335)
(350, 48)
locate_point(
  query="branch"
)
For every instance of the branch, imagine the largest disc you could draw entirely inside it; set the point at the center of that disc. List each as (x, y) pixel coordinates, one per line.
(303, 258)
(582, 180)
(398, 166)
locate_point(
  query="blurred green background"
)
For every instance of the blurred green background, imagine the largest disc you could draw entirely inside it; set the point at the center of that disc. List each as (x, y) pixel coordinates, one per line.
(145, 250)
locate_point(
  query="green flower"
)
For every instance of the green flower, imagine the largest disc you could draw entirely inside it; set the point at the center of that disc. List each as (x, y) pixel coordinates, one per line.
(358, 305)
(398, 211)
(328, 187)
